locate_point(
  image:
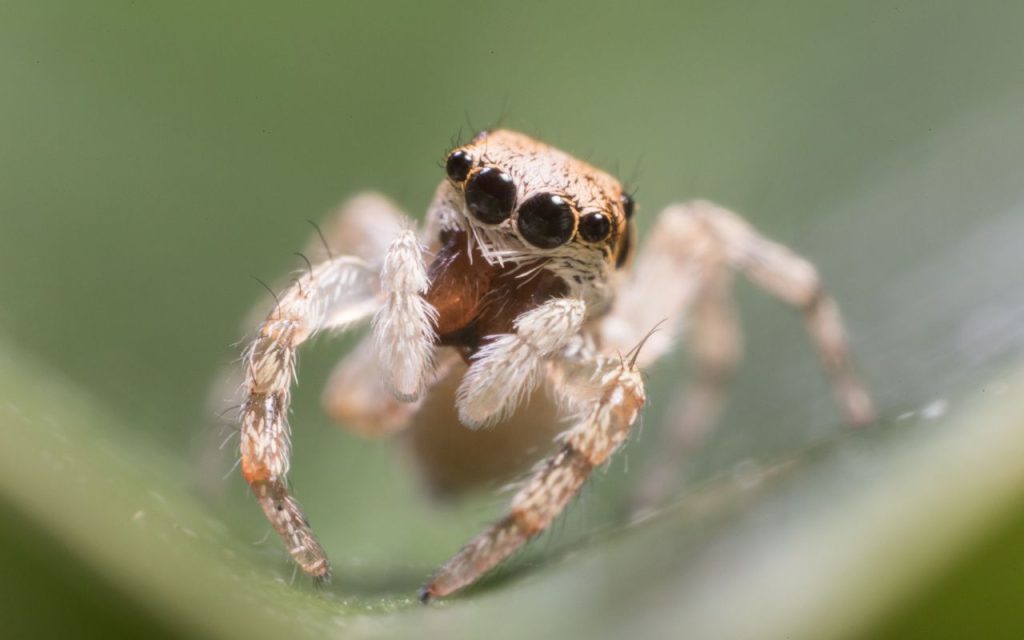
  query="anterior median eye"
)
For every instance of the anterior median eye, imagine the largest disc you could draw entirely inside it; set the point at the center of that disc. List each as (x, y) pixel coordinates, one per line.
(546, 221)
(595, 227)
(491, 195)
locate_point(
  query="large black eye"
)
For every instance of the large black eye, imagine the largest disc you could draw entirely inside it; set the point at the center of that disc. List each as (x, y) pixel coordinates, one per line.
(628, 205)
(491, 195)
(546, 221)
(458, 165)
(595, 227)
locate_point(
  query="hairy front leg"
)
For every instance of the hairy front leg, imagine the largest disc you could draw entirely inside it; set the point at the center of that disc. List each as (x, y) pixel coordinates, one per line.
(588, 444)
(311, 304)
(361, 226)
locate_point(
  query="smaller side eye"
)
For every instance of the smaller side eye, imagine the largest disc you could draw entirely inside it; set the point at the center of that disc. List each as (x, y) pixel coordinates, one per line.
(627, 205)
(458, 165)
(491, 195)
(595, 227)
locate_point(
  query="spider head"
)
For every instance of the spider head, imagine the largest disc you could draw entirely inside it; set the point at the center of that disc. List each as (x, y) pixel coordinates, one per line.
(523, 200)
(520, 222)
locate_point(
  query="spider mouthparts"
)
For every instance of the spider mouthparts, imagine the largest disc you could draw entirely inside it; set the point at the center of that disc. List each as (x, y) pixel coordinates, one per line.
(458, 283)
(475, 299)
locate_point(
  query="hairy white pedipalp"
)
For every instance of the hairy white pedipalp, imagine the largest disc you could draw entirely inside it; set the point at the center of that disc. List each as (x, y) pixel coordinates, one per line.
(507, 368)
(403, 327)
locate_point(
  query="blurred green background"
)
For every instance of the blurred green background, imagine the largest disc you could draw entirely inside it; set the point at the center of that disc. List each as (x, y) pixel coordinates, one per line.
(155, 157)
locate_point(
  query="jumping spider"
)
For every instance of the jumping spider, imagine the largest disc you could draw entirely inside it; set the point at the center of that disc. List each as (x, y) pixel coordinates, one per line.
(526, 273)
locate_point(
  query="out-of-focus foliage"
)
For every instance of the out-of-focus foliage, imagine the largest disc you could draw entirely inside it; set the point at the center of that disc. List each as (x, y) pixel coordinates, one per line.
(155, 158)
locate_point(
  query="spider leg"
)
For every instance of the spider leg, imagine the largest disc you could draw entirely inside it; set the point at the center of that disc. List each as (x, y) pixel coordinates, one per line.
(506, 369)
(311, 304)
(361, 226)
(363, 404)
(595, 436)
(794, 280)
(715, 344)
(698, 244)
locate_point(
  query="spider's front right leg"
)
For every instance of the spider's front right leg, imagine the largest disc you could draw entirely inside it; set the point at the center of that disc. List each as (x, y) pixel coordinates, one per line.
(338, 292)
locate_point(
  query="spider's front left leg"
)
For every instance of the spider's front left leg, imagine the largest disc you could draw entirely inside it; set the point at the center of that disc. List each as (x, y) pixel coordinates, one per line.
(701, 244)
(618, 394)
(794, 280)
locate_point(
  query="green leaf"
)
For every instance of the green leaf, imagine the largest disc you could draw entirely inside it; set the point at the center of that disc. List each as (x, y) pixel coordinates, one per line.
(156, 157)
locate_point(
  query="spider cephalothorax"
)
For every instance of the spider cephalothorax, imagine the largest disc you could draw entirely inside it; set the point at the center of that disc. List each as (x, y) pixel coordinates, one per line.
(529, 199)
(524, 273)
(519, 223)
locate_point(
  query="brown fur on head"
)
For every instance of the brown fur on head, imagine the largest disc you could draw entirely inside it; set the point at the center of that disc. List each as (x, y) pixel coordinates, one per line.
(597, 210)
